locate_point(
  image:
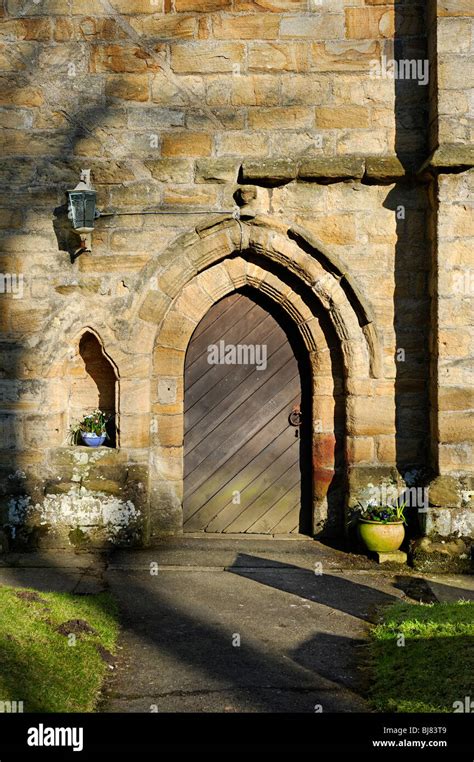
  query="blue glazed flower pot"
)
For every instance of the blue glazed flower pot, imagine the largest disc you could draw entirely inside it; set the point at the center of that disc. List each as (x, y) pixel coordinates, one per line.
(92, 440)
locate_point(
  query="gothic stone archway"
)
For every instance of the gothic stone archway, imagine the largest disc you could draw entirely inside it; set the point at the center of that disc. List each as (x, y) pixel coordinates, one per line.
(339, 351)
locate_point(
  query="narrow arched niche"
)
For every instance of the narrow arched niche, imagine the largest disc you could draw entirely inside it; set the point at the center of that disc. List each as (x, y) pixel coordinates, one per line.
(93, 384)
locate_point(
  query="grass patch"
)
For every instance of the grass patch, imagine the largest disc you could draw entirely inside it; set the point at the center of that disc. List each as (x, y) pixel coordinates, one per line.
(39, 662)
(435, 666)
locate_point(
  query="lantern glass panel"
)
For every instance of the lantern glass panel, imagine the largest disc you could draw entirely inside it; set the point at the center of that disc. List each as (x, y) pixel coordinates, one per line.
(83, 209)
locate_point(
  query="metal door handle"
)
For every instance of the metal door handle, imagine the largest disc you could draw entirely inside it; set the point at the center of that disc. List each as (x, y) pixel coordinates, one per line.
(295, 416)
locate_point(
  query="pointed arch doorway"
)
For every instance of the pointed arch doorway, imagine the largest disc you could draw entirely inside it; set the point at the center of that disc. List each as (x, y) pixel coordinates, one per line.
(246, 463)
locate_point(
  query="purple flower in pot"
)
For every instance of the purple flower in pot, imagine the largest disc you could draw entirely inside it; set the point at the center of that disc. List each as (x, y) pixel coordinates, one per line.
(91, 429)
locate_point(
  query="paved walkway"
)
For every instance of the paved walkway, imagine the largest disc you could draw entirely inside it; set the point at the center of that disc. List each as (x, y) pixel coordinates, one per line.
(235, 624)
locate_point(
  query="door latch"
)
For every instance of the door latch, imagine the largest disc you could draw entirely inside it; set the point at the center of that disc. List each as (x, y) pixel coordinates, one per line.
(295, 418)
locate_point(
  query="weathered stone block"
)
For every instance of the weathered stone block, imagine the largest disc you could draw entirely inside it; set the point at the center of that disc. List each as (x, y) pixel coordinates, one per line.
(370, 23)
(171, 170)
(369, 416)
(455, 8)
(444, 492)
(186, 144)
(131, 87)
(455, 342)
(100, 484)
(335, 228)
(117, 263)
(176, 334)
(129, 7)
(456, 72)
(202, 58)
(254, 90)
(168, 362)
(287, 117)
(343, 55)
(270, 171)
(429, 555)
(190, 196)
(387, 450)
(455, 398)
(166, 514)
(122, 58)
(455, 426)
(216, 171)
(172, 27)
(135, 430)
(360, 449)
(322, 26)
(305, 89)
(170, 91)
(260, 26)
(342, 116)
(331, 168)
(154, 307)
(278, 56)
(383, 167)
(239, 143)
(202, 6)
(273, 6)
(453, 35)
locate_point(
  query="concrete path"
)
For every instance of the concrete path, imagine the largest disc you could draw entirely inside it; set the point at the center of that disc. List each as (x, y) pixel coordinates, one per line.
(233, 624)
(242, 625)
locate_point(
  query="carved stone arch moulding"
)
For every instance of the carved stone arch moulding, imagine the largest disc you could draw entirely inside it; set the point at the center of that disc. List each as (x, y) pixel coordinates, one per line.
(212, 264)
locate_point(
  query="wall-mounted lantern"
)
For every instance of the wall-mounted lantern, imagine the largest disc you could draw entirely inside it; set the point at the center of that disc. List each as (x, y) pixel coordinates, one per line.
(82, 211)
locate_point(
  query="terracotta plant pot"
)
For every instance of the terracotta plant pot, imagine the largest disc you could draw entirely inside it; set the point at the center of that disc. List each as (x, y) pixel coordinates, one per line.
(382, 538)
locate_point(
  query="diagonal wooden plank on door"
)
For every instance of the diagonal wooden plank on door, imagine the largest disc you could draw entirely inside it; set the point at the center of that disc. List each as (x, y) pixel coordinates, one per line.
(240, 382)
(246, 313)
(236, 333)
(244, 421)
(216, 313)
(228, 329)
(227, 468)
(219, 379)
(250, 476)
(252, 492)
(273, 489)
(290, 501)
(246, 400)
(289, 523)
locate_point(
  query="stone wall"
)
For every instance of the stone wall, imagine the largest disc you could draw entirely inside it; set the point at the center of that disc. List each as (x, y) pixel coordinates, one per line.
(355, 194)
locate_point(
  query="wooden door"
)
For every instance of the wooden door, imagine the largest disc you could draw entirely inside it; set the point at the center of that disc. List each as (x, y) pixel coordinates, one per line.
(242, 455)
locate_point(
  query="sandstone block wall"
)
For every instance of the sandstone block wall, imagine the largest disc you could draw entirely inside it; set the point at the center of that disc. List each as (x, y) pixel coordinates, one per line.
(355, 196)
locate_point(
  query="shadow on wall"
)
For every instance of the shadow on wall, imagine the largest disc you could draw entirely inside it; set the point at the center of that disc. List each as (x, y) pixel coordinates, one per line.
(408, 200)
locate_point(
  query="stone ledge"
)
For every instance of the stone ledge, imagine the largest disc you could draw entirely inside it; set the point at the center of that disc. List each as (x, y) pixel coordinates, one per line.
(383, 168)
(449, 157)
(269, 171)
(324, 170)
(346, 167)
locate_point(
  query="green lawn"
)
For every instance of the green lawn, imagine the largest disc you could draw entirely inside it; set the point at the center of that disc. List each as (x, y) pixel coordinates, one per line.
(44, 666)
(434, 668)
